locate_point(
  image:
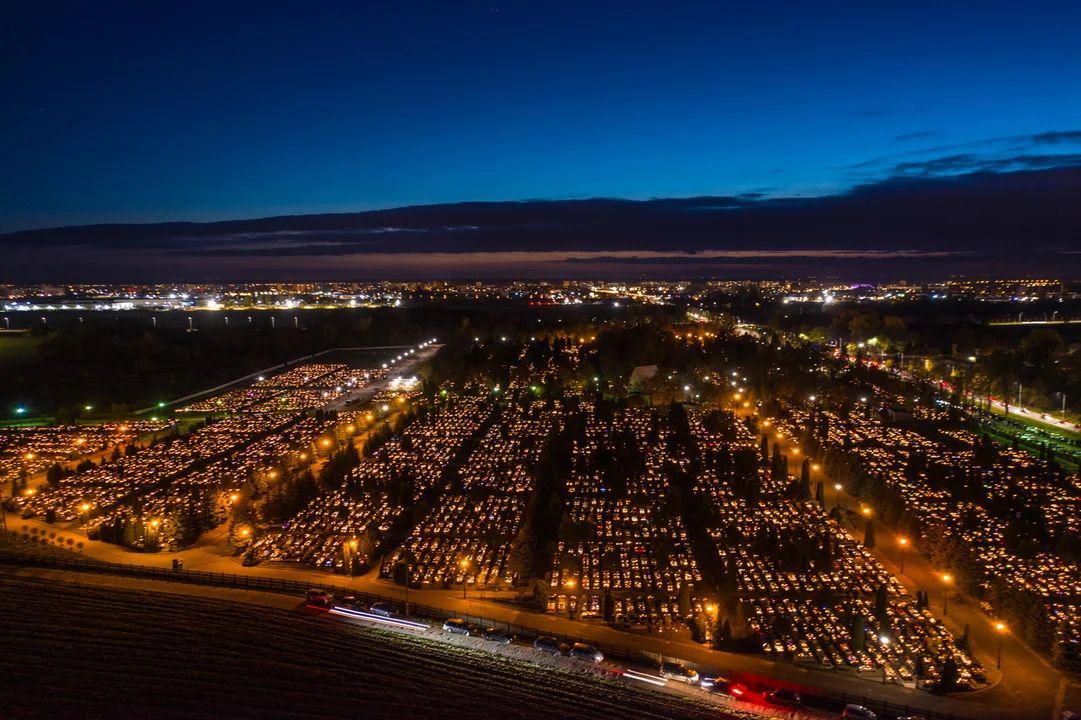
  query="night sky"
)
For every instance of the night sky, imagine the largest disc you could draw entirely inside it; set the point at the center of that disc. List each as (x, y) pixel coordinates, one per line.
(151, 112)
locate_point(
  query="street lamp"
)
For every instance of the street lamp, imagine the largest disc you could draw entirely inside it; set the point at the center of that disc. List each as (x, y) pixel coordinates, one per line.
(1001, 628)
(903, 542)
(464, 564)
(946, 595)
(837, 497)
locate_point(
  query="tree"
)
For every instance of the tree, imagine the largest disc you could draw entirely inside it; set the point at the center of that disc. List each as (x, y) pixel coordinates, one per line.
(540, 594)
(948, 679)
(55, 474)
(881, 607)
(805, 480)
(859, 634)
(820, 494)
(523, 553)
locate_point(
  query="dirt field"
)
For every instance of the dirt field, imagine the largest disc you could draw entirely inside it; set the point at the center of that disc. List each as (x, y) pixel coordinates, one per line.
(75, 650)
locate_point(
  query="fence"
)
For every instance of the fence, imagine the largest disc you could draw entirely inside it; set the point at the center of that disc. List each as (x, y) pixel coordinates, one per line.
(812, 697)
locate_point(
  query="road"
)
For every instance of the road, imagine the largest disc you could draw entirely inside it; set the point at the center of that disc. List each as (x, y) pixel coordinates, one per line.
(402, 369)
(1030, 415)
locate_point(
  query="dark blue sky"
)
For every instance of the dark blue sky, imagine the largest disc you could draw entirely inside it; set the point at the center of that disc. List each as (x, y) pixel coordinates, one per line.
(147, 111)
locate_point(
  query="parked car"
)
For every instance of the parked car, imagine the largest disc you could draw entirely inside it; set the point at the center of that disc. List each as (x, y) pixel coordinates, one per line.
(586, 652)
(785, 697)
(680, 673)
(461, 627)
(497, 635)
(320, 599)
(350, 602)
(382, 609)
(548, 644)
(858, 712)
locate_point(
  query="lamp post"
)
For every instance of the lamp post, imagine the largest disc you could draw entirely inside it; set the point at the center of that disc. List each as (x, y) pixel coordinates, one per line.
(464, 564)
(837, 497)
(903, 542)
(352, 553)
(570, 586)
(946, 595)
(1001, 628)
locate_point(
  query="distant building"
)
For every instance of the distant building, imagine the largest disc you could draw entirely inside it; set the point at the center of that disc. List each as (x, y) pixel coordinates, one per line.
(640, 375)
(900, 415)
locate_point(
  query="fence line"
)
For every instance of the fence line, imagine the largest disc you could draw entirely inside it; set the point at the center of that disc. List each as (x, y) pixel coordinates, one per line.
(812, 697)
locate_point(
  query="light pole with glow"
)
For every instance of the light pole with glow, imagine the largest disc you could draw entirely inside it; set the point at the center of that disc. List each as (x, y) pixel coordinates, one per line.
(903, 542)
(946, 595)
(885, 640)
(1001, 628)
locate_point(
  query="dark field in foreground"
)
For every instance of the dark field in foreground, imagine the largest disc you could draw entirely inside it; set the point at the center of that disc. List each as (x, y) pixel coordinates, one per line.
(77, 651)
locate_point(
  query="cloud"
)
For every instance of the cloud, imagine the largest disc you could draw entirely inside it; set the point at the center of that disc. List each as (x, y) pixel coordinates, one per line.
(997, 154)
(918, 135)
(988, 207)
(1057, 138)
(970, 163)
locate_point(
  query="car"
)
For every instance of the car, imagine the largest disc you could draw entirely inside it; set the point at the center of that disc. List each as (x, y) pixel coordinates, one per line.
(723, 686)
(785, 697)
(320, 599)
(680, 673)
(585, 652)
(461, 627)
(548, 644)
(351, 602)
(858, 712)
(382, 609)
(497, 635)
